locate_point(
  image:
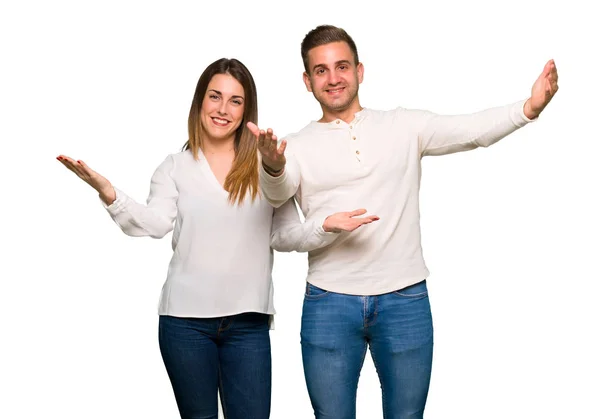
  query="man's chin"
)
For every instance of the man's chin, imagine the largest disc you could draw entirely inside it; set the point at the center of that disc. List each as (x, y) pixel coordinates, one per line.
(336, 106)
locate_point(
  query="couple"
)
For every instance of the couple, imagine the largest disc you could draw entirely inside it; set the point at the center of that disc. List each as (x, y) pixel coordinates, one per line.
(229, 198)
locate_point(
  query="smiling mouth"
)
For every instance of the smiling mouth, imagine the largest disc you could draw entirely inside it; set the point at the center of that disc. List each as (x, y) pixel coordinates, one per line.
(220, 122)
(335, 91)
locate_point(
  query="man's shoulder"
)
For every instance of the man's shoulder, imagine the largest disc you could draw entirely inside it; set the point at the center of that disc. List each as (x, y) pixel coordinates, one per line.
(398, 115)
(305, 131)
(385, 113)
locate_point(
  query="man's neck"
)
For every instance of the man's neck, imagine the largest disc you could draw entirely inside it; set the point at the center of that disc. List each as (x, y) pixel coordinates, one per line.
(346, 115)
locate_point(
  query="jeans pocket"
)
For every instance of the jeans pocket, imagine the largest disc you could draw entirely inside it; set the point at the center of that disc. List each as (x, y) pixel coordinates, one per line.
(418, 290)
(313, 293)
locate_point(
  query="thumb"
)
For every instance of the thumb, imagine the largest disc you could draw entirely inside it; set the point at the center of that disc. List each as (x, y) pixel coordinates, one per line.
(253, 128)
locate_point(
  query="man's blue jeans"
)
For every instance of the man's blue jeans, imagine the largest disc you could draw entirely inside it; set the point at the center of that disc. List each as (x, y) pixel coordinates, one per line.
(230, 353)
(336, 330)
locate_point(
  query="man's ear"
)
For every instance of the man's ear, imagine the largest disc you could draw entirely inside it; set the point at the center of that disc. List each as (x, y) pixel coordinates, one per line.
(360, 70)
(306, 80)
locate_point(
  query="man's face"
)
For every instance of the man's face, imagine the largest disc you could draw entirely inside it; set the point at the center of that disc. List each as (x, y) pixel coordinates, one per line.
(332, 76)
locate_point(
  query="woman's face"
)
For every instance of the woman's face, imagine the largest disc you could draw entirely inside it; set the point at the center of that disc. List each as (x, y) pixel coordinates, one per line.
(222, 109)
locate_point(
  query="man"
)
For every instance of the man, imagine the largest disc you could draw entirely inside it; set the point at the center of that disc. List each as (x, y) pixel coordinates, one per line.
(366, 287)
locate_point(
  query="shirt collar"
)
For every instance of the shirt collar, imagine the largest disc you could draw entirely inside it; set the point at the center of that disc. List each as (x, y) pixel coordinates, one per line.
(340, 124)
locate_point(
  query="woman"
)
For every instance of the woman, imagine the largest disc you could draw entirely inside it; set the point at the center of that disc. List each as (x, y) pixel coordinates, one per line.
(216, 305)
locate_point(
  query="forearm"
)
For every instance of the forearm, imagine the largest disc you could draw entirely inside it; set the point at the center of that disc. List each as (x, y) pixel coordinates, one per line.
(278, 189)
(444, 134)
(139, 220)
(304, 237)
(289, 233)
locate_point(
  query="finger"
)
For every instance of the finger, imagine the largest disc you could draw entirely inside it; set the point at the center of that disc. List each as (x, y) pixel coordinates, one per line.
(368, 220)
(269, 140)
(351, 227)
(553, 75)
(359, 222)
(253, 128)
(73, 167)
(68, 162)
(272, 139)
(80, 170)
(67, 159)
(85, 168)
(357, 212)
(273, 145)
(76, 167)
(551, 89)
(261, 139)
(548, 67)
(281, 148)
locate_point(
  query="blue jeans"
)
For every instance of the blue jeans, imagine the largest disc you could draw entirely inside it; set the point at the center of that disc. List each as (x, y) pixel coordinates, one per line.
(336, 330)
(231, 354)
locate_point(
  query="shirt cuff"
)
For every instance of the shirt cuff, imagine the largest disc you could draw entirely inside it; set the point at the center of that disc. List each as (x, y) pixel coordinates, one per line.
(321, 231)
(118, 205)
(518, 114)
(272, 180)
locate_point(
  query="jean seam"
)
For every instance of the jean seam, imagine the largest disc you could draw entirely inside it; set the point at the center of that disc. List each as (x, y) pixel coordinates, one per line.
(313, 297)
(372, 322)
(316, 297)
(364, 298)
(227, 327)
(421, 294)
(382, 386)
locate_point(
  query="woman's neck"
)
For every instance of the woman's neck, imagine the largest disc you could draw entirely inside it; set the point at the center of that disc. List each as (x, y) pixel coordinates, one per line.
(218, 147)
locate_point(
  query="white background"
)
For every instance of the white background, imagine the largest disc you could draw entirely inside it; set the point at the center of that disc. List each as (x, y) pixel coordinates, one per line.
(510, 233)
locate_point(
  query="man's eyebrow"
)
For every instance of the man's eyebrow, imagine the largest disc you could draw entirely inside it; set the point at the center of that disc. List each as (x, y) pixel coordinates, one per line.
(336, 63)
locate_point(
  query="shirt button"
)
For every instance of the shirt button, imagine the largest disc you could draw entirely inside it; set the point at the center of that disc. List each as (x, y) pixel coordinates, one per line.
(350, 126)
(354, 138)
(337, 122)
(357, 152)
